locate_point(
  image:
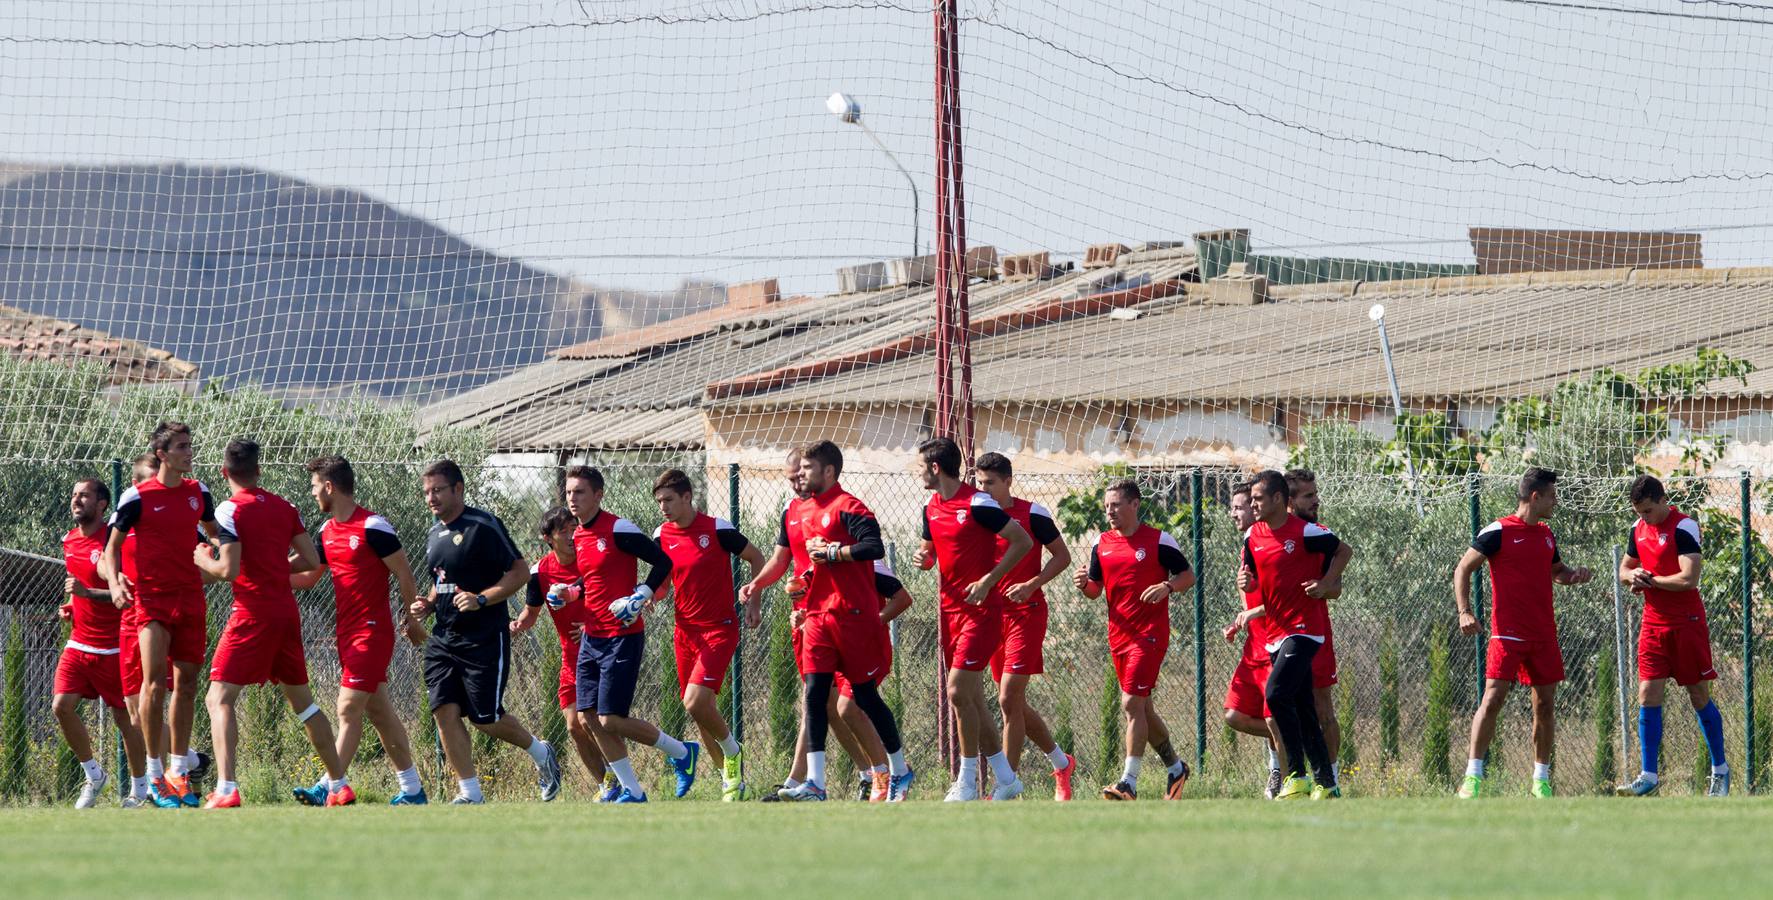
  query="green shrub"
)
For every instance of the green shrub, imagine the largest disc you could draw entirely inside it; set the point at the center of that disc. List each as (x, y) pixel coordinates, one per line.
(1436, 730)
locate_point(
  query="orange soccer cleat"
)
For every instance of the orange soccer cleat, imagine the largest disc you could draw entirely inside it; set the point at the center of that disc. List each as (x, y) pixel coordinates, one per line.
(883, 785)
(341, 796)
(1062, 779)
(180, 786)
(219, 800)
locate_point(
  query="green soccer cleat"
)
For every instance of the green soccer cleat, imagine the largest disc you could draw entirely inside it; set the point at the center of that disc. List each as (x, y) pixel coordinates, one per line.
(733, 769)
(1472, 786)
(733, 791)
(1320, 792)
(1542, 788)
(1295, 789)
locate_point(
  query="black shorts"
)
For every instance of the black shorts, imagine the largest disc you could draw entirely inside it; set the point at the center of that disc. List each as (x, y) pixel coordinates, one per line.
(470, 675)
(609, 670)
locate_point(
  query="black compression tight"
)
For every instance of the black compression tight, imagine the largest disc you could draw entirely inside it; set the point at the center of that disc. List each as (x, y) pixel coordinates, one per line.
(867, 697)
(1295, 710)
(818, 717)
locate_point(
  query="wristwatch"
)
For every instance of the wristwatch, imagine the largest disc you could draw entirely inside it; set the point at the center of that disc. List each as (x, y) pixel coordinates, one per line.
(481, 599)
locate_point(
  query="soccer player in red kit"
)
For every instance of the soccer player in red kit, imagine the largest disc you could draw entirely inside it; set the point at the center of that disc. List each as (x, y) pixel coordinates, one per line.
(362, 552)
(1138, 567)
(1246, 709)
(88, 668)
(164, 514)
(262, 541)
(706, 634)
(1524, 564)
(961, 525)
(1293, 564)
(842, 627)
(1662, 563)
(1019, 656)
(554, 583)
(1303, 502)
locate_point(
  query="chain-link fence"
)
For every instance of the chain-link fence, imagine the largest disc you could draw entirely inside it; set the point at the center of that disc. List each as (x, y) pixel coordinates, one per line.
(1408, 680)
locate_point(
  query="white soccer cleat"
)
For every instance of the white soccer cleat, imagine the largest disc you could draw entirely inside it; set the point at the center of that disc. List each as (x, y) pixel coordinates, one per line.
(134, 802)
(89, 793)
(1008, 791)
(965, 790)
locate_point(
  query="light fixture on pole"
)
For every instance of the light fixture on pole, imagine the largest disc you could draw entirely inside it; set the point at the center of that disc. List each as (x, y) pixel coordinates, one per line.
(1377, 314)
(845, 108)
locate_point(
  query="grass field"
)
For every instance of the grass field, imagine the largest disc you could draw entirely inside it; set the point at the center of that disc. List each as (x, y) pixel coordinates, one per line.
(1414, 847)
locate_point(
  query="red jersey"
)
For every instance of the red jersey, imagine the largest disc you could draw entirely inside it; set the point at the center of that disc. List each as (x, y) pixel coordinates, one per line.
(1659, 548)
(1283, 560)
(1521, 558)
(964, 530)
(790, 538)
(702, 569)
(163, 519)
(1124, 567)
(610, 550)
(263, 524)
(1038, 522)
(546, 573)
(1256, 635)
(96, 622)
(837, 516)
(353, 550)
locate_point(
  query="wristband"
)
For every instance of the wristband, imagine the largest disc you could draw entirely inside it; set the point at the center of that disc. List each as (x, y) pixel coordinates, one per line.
(832, 552)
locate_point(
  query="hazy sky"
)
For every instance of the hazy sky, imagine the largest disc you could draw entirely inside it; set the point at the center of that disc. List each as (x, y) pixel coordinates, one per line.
(638, 144)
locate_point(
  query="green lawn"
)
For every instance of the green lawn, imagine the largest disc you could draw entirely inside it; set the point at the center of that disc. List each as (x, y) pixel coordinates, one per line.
(1495, 847)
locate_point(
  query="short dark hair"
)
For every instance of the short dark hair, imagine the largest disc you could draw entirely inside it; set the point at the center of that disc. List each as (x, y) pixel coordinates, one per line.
(164, 433)
(98, 487)
(1536, 481)
(996, 463)
(1242, 487)
(447, 470)
(1272, 483)
(675, 481)
(824, 453)
(944, 452)
(335, 469)
(555, 519)
(1647, 487)
(588, 474)
(241, 458)
(1127, 488)
(1300, 476)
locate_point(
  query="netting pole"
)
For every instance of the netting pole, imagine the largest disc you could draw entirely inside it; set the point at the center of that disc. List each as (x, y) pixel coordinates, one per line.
(1619, 657)
(737, 700)
(1473, 496)
(122, 757)
(1197, 480)
(1748, 633)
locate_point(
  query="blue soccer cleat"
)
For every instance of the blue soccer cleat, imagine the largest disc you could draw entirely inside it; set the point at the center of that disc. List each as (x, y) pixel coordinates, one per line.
(612, 788)
(804, 792)
(418, 799)
(1719, 785)
(1641, 786)
(686, 767)
(311, 796)
(626, 797)
(900, 787)
(162, 795)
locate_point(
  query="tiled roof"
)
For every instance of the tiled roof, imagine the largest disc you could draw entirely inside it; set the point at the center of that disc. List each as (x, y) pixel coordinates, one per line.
(36, 337)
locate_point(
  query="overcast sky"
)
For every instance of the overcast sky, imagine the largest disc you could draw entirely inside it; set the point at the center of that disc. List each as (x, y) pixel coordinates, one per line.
(639, 144)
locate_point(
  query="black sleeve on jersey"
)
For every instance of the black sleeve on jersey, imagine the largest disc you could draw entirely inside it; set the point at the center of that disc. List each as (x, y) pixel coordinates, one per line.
(1631, 543)
(1684, 543)
(1043, 530)
(320, 549)
(127, 513)
(208, 507)
(1327, 544)
(1557, 556)
(647, 551)
(990, 518)
(731, 540)
(1488, 542)
(532, 594)
(224, 533)
(925, 534)
(1095, 566)
(866, 544)
(1250, 560)
(887, 585)
(383, 543)
(1172, 559)
(782, 535)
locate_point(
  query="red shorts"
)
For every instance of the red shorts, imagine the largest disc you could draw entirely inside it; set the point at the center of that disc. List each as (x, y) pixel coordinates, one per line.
(795, 635)
(254, 651)
(1024, 632)
(568, 694)
(704, 654)
(95, 676)
(845, 689)
(364, 657)
(186, 619)
(844, 642)
(1247, 692)
(1138, 660)
(971, 638)
(129, 655)
(1323, 665)
(1528, 662)
(1681, 652)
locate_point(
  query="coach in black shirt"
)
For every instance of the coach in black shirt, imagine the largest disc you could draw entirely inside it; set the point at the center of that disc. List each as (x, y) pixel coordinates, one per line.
(474, 568)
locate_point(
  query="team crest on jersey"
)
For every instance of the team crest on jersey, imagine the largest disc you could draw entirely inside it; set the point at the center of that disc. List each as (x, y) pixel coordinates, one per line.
(192, 501)
(825, 520)
(702, 541)
(1661, 538)
(1289, 546)
(353, 542)
(457, 538)
(1139, 554)
(94, 557)
(1548, 544)
(960, 515)
(601, 547)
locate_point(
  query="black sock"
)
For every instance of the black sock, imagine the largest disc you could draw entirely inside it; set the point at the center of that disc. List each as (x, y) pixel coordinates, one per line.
(867, 697)
(818, 721)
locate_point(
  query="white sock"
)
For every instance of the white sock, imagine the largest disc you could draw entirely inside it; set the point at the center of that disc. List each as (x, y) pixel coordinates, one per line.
(538, 750)
(1176, 767)
(728, 746)
(1721, 770)
(1335, 774)
(969, 769)
(93, 770)
(178, 765)
(156, 768)
(1058, 757)
(1651, 777)
(471, 788)
(815, 768)
(409, 780)
(790, 783)
(1475, 767)
(1129, 773)
(1000, 768)
(333, 784)
(191, 759)
(896, 762)
(1542, 771)
(1273, 761)
(226, 788)
(671, 746)
(138, 786)
(877, 770)
(624, 769)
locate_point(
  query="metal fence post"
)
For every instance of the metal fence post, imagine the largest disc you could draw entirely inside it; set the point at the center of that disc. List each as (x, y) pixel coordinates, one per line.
(1200, 625)
(117, 494)
(1748, 633)
(1474, 491)
(737, 699)
(1619, 657)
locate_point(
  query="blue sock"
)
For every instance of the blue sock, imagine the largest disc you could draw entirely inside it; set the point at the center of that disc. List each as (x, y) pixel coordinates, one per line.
(1650, 735)
(1712, 723)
